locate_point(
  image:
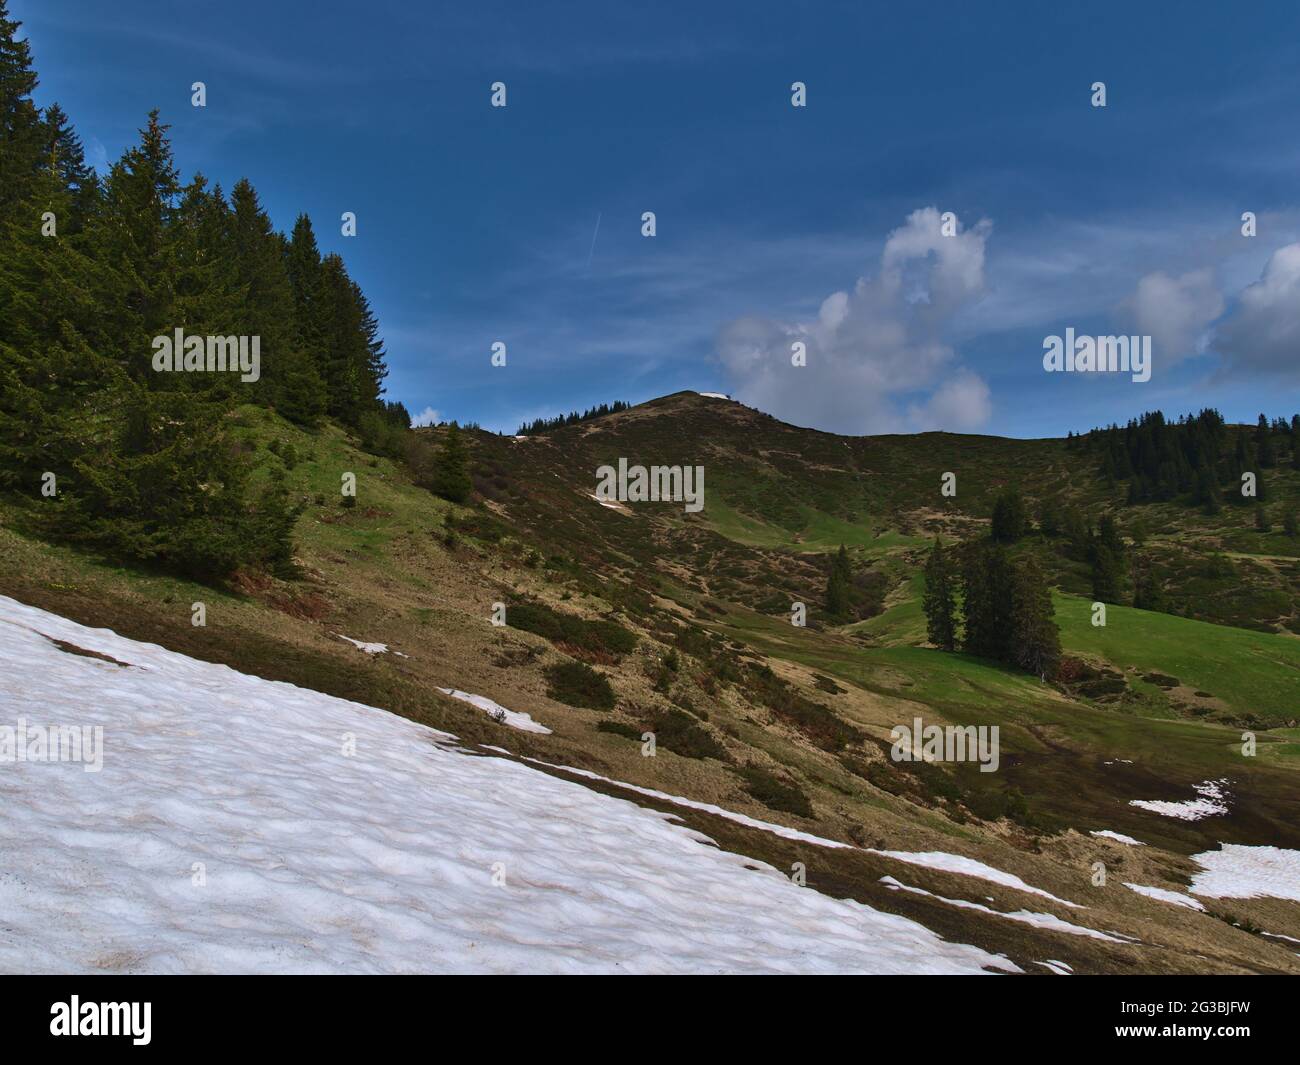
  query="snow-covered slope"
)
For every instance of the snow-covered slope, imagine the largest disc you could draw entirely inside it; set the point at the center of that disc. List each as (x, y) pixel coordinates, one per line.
(242, 825)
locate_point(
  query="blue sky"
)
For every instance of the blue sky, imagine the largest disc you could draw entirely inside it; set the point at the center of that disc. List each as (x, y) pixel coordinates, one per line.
(775, 223)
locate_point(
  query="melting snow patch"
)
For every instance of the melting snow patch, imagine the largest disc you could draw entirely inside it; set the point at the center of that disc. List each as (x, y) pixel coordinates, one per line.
(1058, 967)
(1237, 871)
(515, 719)
(610, 504)
(369, 648)
(1163, 895)
(1038, 920)
(706, 807)
(405, 856)
(1213, 802)
(956, 863)
(1106, 833)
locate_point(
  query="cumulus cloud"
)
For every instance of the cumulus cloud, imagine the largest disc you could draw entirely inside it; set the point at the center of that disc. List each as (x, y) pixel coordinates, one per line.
(959, 404)
(428, 416)
(1175, 312)
(870, 348)
(1262, 335)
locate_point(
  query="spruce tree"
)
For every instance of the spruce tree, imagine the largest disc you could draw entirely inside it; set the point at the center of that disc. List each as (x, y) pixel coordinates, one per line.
(303, 264)
(21, 128)
(939, 600)
(130, 239)
(290, 381)
(169, 488)
(986, 602)
(207, 294)
(51, 340)
(451, 478)
(1264, 443)
(1010, 517)
(91, 271)
(1147, 591)
(66, 157)
(838, 603)
(344, 356)
(1105, 575)
(1035, 642)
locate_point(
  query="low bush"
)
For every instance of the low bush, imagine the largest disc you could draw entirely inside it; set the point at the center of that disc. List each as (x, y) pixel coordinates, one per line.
(775, 795)
(577, 684)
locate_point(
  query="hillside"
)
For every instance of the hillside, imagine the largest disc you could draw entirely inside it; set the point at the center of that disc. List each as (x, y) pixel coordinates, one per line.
(377, 845)
(772, 739)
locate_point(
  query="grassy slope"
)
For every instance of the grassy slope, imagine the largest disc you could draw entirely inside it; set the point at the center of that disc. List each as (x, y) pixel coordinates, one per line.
(381, 572)
(1254, 673)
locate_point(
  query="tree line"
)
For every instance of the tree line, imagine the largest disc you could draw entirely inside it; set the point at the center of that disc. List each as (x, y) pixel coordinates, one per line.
(544, 425)
(97, 445)
(1190, 459)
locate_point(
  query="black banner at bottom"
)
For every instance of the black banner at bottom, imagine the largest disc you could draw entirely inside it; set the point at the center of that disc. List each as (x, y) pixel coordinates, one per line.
(338, 1013)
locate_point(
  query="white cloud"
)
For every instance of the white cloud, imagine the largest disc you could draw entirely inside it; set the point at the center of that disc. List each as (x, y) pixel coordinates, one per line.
(428, 416)
(869, 346)
(1263, 332)
(1175, 312)
(960, 404)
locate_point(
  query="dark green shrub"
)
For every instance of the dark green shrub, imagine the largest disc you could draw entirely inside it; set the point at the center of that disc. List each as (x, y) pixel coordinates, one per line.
(577, 684)
(677, 732)
(619, 728)
(599, 637)
(774, 794)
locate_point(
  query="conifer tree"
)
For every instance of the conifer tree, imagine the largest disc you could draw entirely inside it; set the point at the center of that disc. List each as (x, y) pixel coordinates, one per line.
(838, 605)
(451, 478)
(345, 355)
(208, 296)
(91, 271)
(21, 128)
(130, 239)
(1264, 443)
(1010, 517)
(1147, 592)
(51, 339)
(986, 602)
(303, 265)
(289, 382)
(1105, 575)
(169, 488)
(1035, 641)
(66, 157)
(939, 600)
